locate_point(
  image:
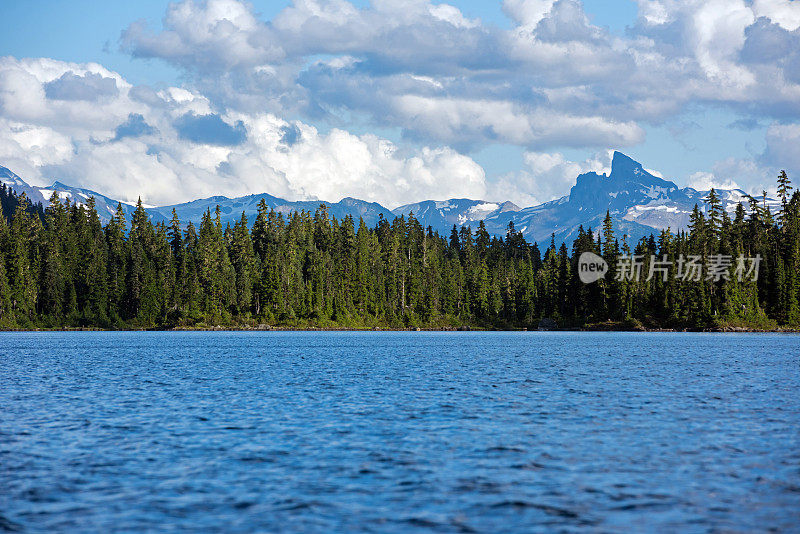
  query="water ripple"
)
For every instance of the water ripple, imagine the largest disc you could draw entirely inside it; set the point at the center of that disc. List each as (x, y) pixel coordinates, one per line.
(397, 432)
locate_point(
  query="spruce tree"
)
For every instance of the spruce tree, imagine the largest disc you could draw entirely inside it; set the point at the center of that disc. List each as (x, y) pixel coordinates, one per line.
(243, 260)
(784, 187)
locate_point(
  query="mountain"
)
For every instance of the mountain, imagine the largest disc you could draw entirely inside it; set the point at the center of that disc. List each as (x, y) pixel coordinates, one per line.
(640, 204)
(20, 186)
(106, 207)
(442, 215)
(231, 208)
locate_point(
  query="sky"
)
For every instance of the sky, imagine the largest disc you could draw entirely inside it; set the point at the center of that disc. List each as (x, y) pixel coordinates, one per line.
(396, 101)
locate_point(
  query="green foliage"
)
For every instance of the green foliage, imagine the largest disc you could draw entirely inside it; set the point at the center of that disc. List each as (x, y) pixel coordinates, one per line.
(60, 267)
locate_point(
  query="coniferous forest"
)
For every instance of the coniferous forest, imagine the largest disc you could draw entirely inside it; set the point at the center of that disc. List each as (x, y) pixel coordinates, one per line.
(61, 268)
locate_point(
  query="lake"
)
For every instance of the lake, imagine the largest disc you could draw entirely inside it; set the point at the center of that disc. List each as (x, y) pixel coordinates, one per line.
(399, 431)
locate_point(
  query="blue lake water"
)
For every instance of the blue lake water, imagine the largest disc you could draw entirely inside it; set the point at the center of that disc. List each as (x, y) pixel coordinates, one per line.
(399, 431)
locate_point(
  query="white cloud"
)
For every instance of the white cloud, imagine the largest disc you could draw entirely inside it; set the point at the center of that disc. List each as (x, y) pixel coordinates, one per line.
(528, 13)
(23, 97)
(551, 65)
(465, 121)
(703, 181)
(26, 148)
(653, 12)
(341, 164)
(718, 27)
(782, 12)
(205, 35)
(453, 15)
(162, 164)
(550, 81)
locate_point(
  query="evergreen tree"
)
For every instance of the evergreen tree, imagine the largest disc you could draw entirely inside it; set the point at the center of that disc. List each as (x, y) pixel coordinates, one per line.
(243, 260)
(20, 266)
(53, 277)
(784, 188)
(715, 213)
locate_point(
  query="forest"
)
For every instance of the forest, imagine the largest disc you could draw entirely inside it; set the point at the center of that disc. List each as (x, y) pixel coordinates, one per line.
(61, 268)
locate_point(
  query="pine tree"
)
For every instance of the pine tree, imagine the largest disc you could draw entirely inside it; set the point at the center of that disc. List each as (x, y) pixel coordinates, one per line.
(243, 260)
(190, 295)
(784, 188)
(715, 212)
(95, 311)
(117, 264)
(143, 293)
(52, 279)
(20, 271)
(612, 291)
(216, 276)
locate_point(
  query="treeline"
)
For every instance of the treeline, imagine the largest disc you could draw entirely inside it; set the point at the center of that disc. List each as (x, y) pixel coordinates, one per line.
(60, 267)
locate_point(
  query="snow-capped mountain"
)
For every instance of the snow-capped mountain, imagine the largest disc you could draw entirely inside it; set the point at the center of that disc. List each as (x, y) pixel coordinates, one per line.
(442, 215)
(106, 207)
(20, 186)
(231, 208)
(640, 204)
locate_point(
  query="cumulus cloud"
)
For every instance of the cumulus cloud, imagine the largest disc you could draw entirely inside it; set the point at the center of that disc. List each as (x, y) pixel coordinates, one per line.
(419, 66)
(23, 95)
(527, 13)
(170, 146)
(465, 121)
(215, 35)
(781, 12)
(445, 82)
(428, 70)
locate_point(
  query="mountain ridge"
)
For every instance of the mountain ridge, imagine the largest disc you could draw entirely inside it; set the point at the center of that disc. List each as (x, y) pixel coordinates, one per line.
(639, 203)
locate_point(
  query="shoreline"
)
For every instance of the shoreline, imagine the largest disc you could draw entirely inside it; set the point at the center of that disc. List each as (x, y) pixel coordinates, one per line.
(270, 328)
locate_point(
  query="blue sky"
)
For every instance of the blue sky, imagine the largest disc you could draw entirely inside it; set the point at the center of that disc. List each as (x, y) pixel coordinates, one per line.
(509, 106)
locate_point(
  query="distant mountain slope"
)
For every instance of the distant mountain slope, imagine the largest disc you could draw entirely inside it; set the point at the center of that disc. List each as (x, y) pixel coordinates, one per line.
(231, 208)
(106, 207)
(20, 186)
(640, 204)
(442, 215)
